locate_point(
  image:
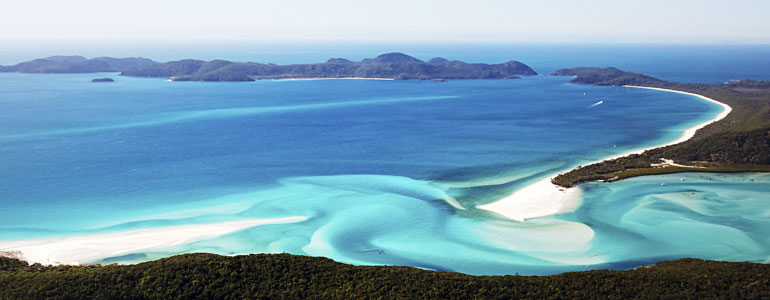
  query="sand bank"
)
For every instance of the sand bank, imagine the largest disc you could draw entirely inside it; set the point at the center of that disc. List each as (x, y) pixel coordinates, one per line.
(544, 198)
(76, 250)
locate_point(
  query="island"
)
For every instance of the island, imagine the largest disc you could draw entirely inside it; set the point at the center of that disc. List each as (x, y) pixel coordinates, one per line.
(103, 80)
(78, 64)
(394, 66)
(739, 142)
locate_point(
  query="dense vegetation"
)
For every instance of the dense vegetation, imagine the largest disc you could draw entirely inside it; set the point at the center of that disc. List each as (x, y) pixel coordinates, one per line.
(726, 152)
(607, 76)
(284, 276)
(387, 66)
(78, 64)
(740, 142)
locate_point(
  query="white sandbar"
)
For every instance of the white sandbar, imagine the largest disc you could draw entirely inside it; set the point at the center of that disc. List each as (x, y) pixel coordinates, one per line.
(544, 198)
(86, 248)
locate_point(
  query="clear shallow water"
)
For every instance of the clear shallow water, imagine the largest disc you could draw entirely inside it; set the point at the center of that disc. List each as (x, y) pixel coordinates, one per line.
(374, 165)
(715, 216)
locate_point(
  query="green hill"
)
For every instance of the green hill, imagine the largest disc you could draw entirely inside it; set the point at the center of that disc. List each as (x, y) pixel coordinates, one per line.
(386, 66)
(284, 276)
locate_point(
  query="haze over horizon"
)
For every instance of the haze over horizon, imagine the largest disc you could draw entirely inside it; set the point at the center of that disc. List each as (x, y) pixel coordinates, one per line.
(596, 21)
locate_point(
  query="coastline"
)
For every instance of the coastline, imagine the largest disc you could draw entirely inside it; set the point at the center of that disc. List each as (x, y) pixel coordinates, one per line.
(173, 79)
(323, 78)
(543, 198)
(80, 249)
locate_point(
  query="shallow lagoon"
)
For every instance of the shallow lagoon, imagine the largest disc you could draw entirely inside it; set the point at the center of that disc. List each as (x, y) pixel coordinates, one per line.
(385, 172)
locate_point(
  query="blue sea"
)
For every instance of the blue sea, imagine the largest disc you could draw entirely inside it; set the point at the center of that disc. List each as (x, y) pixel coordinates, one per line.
(385, 172)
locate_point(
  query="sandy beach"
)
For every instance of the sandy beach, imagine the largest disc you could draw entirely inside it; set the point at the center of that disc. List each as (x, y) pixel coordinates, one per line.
(544, 198)
(81, 249)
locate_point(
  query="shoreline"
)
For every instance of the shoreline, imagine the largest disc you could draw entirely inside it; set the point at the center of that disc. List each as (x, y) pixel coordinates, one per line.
(82, 249)
(172, 79)
(322, 78)
(527, 202)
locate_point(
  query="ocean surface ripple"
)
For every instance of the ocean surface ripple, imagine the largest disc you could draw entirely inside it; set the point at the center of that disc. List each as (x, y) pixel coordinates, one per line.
(364, 172)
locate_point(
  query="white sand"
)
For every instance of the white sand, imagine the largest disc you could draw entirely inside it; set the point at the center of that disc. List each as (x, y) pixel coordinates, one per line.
(689, 132)
(544, 198)
(539, 199)
(85, 248)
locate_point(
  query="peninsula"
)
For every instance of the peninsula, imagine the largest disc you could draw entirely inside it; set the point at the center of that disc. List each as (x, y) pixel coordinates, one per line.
(396, 66)
(738, 142)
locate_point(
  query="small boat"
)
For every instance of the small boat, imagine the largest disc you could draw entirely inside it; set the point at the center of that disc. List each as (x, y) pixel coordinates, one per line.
(662, 184)
(681, 179)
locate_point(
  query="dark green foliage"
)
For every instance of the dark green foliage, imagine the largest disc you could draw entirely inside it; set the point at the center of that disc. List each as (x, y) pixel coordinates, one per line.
(390, 66)
(743, 147)
(10, 264)
(283, 276)
(605, 170)
(742, 151)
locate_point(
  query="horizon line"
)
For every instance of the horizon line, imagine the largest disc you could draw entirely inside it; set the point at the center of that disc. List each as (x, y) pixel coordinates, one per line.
(298, 41)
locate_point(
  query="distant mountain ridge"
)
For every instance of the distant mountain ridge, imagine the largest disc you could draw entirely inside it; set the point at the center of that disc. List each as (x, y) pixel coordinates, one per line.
(606, 76)
(386, 66)
(393, 65)
(78, 64)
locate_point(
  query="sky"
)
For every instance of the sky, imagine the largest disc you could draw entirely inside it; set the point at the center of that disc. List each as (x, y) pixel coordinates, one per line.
(603, 21)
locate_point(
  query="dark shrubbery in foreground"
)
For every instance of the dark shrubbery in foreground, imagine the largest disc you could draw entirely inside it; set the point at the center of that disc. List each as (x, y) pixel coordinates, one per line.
(284, 276)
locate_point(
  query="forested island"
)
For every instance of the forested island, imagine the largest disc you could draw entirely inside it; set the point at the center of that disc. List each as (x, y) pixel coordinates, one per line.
(78, 64)
(285, 276)
(397, 66)
(738, 143)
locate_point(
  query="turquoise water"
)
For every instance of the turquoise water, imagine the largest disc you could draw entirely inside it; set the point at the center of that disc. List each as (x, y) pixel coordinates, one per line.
(379, 168)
